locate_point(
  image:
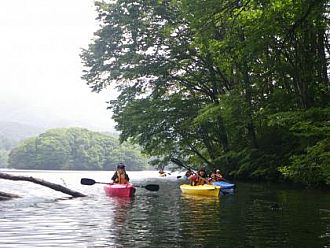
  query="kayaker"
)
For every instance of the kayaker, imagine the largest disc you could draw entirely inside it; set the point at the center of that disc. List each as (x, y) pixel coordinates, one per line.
(199, 178)
(162, 173)
(218, 176)
(120, 175)
(215, 176)
(212, 176)
(188, 173)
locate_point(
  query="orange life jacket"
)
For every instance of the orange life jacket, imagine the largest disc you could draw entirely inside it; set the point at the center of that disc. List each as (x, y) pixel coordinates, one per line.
(121, 178)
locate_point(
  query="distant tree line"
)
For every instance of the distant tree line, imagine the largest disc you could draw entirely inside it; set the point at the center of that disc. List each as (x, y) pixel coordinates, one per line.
(6, 145)
(75, 149)
(240, 85)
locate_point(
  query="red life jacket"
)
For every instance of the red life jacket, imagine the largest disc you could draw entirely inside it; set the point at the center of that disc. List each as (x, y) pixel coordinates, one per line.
(197, 180)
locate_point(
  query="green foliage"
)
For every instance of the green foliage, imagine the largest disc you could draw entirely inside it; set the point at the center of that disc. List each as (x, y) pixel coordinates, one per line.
(75, 149)
(240, 84)
(5, 145)
(309, 163)
(3, 158)
(311, 168)
(251, 164)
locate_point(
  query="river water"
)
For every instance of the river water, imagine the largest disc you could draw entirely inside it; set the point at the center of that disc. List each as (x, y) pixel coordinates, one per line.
(256, 215)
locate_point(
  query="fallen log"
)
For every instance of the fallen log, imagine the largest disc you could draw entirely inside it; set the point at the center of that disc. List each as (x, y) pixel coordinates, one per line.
(42, 182)
(7, 196)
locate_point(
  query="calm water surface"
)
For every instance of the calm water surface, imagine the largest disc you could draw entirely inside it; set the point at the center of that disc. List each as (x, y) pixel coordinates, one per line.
(257, 215)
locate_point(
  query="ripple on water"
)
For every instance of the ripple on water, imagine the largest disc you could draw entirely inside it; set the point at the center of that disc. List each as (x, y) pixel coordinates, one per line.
(44, 218)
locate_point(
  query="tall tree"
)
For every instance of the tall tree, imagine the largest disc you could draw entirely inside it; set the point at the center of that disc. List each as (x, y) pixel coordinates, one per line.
(202, 78)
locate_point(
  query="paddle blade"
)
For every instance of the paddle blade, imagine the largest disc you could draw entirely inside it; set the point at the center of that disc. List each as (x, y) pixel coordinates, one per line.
(152, 187)
(178, 177)
(87, 181)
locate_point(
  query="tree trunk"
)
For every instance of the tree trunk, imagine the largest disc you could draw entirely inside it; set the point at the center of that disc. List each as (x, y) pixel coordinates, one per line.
(53, 186)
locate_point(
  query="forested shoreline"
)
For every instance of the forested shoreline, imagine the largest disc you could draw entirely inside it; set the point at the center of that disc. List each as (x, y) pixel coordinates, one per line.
(75, 149)
(240, 85)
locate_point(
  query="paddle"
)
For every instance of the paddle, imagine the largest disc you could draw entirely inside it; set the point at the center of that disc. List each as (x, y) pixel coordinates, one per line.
(150, 187)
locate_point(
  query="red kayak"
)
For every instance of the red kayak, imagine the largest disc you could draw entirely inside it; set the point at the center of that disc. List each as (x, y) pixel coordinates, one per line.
(124, 190)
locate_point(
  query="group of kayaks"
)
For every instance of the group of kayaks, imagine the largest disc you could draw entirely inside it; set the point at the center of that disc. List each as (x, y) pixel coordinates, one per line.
(214, 189)
(128, 190)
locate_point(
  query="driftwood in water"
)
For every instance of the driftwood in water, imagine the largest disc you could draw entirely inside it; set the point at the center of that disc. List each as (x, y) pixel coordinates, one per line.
(53, 186)
(7, 196)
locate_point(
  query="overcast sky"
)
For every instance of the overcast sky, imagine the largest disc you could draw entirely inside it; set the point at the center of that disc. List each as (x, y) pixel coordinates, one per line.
(40, 67)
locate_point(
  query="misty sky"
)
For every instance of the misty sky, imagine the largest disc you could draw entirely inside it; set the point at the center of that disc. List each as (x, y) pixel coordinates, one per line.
(40, 65)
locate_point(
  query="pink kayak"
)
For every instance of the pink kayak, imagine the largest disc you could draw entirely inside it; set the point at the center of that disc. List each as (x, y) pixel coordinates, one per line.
(125, 190)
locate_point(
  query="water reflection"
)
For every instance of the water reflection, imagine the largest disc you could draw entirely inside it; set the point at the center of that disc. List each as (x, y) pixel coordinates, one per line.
(120, 218)
(121, 205)
(199, 199)
(168, 218)
(199, 219)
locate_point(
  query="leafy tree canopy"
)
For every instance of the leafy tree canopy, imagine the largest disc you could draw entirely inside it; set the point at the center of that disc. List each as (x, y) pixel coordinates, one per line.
(206, 80)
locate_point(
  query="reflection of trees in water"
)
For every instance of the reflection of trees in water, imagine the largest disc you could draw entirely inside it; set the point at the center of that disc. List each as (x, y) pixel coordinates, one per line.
(199, 218)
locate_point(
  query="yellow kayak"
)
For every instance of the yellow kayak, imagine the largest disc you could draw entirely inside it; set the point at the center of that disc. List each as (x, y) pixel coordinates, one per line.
(206, 190)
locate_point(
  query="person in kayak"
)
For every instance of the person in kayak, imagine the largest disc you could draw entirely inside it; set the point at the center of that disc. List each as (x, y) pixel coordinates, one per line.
(199, 178)
(188, 173)
(215, 176)
(212, 176)
(218, 176)
(162, 173)
(120, 175)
